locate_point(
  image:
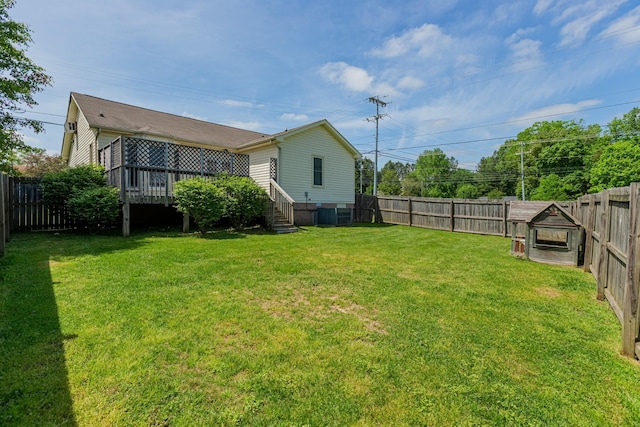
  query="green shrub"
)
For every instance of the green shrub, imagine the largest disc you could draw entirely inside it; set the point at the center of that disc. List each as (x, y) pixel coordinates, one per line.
(201, 199)
(84, 192)
(59, 187)
(97, 207)
(245, 199)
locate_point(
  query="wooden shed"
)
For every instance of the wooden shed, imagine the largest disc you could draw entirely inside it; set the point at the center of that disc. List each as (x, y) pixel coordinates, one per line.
(545, 232)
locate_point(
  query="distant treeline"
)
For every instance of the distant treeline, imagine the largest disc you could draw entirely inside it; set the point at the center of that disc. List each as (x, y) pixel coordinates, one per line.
(562, 161)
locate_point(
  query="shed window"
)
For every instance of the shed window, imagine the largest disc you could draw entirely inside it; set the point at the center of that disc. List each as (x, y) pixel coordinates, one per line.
(317, 171)
(552, 238)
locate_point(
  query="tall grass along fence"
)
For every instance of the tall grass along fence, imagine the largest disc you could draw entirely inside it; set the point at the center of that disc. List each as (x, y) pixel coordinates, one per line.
(612, 254)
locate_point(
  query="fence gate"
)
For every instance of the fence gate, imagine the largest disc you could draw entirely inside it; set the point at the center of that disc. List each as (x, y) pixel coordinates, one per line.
(29, 210)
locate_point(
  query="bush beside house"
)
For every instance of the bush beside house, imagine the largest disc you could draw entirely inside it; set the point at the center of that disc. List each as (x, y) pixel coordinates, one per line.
(239, 199)
(83, 190)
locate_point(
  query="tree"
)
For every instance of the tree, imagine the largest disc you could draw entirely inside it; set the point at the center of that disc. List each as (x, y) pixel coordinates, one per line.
(389, 183)
(435, 170)
(551, 188)
(567, 149)
(411, 185)
(39, 163)
(20, 79)
(392, 175)
(618, 166)
(366, 166)
(628, 127)
(467, 191)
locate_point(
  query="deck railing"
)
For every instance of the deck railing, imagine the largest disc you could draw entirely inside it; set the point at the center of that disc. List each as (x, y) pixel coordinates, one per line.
(145, 170)
(282, 202)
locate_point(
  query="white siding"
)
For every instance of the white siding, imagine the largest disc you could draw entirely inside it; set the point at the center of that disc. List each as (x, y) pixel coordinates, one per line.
(259, 164)
(81, 142)
(296, 167)
(105, 138)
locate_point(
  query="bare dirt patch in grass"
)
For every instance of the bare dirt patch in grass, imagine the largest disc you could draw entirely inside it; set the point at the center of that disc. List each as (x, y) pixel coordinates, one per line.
(549, 292)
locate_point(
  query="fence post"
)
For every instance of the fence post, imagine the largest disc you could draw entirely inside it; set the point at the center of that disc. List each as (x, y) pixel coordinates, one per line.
(505, 226)
(3, 228)
(604, 241)
(410, 218)
(630, 304)
(588, 244)
(9, 208)
(451, 216)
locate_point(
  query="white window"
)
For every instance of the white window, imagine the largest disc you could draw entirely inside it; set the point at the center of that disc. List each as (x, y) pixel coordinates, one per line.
(318, 167)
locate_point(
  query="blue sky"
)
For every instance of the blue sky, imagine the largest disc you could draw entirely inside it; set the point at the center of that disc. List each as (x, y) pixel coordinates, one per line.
(459, 75)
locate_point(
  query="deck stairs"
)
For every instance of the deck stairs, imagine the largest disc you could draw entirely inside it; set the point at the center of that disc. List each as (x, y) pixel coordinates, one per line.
(281, 225)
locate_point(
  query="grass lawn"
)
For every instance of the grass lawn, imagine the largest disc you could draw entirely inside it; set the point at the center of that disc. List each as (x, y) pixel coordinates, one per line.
(367, 325)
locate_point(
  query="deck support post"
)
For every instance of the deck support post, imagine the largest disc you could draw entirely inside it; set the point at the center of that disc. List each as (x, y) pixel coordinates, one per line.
(185, 222)
(126, 219)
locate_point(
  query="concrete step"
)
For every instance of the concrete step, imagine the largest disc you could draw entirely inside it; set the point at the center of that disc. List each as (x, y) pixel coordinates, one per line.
(285, 229)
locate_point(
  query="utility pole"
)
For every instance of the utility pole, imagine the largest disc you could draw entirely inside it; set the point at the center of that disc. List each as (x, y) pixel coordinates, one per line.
(379, 103)
(522, 167)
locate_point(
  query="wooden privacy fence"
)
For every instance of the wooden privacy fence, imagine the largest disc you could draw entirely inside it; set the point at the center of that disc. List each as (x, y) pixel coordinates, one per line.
(5, 205)
(28, 209)
(612, 254)
(467, 216)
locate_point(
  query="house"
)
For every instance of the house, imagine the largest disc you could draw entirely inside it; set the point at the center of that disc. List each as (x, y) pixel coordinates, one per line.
(545, 232)
(306, 170)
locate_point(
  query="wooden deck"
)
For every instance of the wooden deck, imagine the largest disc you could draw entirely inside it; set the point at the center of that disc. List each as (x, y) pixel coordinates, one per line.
(145, 170)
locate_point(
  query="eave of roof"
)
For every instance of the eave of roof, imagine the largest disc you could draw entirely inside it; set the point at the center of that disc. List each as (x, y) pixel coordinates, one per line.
(281, 136)
(526, 211)
(119, 117)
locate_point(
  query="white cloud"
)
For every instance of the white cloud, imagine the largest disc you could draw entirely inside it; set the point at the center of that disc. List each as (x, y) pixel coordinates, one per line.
(427, 40)
(352, 78)
(576, 31)
(242, 125)
(236, 103)
(558, 110)
(526, 52)
(626, 29)
(410, 83)
(542, 6)
(578, 18)
(294, 117)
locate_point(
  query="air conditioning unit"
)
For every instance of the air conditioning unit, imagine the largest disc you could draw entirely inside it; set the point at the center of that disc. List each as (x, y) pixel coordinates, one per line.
(70, 127)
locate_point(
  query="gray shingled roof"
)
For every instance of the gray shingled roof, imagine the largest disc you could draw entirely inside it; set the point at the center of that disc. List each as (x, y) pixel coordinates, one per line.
(525, 211)
(104, 114)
